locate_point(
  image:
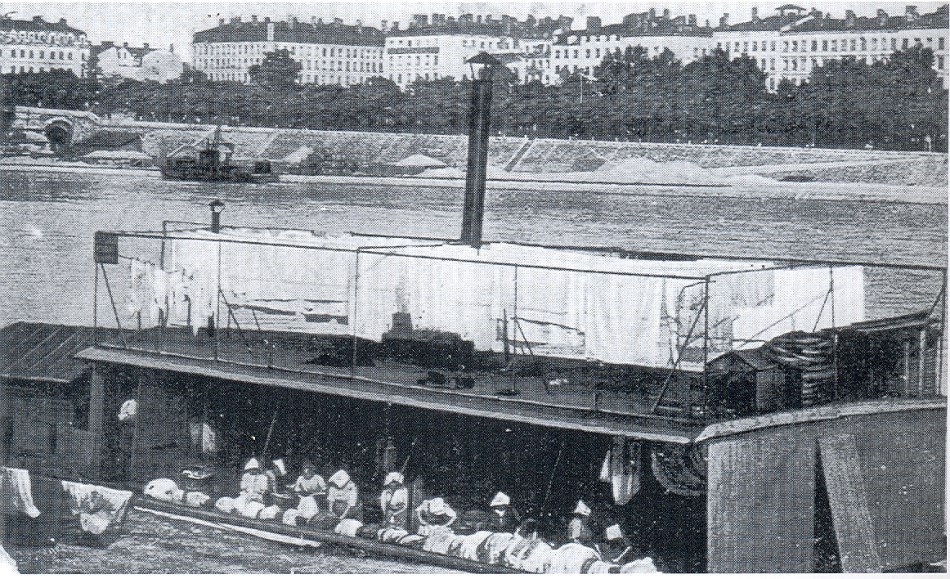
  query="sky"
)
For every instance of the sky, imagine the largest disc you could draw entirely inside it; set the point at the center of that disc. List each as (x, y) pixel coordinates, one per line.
(172, 23)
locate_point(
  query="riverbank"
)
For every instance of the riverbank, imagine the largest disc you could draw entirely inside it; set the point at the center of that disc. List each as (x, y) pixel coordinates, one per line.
(735, 185)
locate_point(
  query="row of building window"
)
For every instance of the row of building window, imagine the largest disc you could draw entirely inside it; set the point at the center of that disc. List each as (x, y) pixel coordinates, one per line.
(229, 50)
(62, 55)
(25, 69)
(473, 42)
(845, 45)
(209, 63)
(43, 38)
(307, 78)
(406, 60)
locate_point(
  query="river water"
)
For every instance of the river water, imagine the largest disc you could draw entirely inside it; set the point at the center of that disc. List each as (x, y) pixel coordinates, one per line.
(47, 221)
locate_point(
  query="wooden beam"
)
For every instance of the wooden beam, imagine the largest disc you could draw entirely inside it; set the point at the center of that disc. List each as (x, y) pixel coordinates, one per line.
(848, 498)
(906, 376)
(97, 403)
(816, 414)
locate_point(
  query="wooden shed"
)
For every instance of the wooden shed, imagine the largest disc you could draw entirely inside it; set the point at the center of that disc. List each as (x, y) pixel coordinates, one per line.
(746, 382)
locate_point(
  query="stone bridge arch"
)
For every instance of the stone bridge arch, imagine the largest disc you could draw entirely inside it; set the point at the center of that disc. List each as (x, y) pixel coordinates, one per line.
(59, 131)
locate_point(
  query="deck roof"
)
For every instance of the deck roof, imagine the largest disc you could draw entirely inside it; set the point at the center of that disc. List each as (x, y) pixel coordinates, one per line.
(42, 352)
(525, 409)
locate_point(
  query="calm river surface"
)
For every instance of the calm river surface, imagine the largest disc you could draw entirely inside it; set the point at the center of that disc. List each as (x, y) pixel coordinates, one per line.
(47, 223)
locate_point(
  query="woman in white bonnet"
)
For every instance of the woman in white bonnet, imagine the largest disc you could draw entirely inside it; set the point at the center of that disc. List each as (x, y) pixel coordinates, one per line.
(343, 496)
(394, 501)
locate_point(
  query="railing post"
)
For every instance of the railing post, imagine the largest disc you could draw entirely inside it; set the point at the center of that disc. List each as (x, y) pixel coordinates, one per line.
(356, 303)
(97, 395)
(689, 401)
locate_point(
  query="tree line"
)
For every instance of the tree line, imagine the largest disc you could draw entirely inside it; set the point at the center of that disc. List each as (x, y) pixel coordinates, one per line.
(897, 103)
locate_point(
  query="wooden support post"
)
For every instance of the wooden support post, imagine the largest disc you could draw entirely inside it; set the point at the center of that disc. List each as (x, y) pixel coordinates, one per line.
(136, 430)
(921, 361)
(4, 418)
(97, 404)
(906, 376)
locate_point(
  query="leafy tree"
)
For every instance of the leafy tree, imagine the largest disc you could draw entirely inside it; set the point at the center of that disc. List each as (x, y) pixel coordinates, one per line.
(277, 71)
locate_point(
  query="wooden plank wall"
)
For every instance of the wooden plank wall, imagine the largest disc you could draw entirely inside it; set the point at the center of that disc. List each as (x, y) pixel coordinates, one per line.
(903, 460)
(760, 503)
(761, 492)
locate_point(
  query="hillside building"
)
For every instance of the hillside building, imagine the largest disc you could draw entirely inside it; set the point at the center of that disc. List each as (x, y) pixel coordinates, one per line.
(40, 46)
(137, 63)
(329, 53)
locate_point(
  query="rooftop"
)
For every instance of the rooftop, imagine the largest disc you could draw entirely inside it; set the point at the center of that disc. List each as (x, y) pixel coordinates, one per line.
(292, 30)
(37, 24)
(791, 18)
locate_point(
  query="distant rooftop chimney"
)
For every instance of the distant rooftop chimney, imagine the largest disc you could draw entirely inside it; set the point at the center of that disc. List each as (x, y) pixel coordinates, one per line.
(62, 21)
(881, 17)
(666, 14)
(384, 25)
(37, 19)
(849, 18)
(593, 23)
(145, 46)
(724, 20)
(171, 48)
(254, 18)
(220, 21)
(691, 20)
(911, 14)
(755, 14)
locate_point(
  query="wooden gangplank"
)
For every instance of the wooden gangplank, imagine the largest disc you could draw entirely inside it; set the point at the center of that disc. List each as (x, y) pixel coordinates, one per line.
(325, 537)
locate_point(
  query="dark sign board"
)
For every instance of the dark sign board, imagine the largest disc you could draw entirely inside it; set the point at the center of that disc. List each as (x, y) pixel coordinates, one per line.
(107, 247)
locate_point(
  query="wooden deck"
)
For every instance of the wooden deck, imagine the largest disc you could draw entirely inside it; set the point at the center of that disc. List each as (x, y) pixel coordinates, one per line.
(286, 362)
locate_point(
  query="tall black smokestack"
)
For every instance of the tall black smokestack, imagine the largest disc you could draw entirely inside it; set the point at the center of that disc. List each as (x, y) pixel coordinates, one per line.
(474, 207)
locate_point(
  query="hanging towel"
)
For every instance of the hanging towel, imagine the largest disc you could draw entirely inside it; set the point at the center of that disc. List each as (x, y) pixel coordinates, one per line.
(7, 563)
(16, 494)
(97, 508)
(137, 281)
(625, 469)
(605, 468)
(158, 307)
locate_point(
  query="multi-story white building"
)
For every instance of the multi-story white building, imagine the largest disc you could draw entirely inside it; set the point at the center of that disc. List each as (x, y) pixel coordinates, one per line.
(439, 49)
(786, 45)
(793, 42)
(137, 63)
(39, 46)
(583, 50)
(329, 53)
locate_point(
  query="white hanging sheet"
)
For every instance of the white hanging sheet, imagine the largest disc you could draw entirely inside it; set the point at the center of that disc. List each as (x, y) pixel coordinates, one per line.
(592, 306)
